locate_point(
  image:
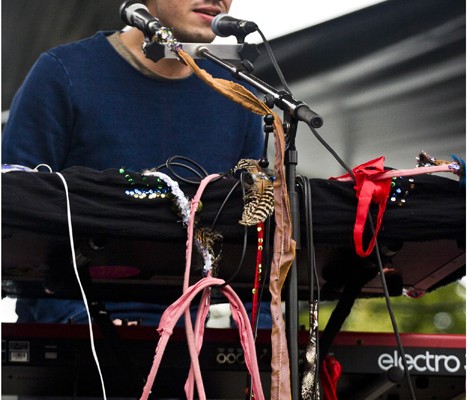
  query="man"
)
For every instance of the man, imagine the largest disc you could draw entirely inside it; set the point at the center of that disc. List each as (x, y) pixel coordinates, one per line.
(100, 103)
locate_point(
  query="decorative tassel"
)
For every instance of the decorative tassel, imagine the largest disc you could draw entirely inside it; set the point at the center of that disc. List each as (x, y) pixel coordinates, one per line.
(259, 195)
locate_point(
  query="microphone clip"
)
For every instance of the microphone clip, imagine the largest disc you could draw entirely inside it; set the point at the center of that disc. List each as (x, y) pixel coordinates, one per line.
(154, 47)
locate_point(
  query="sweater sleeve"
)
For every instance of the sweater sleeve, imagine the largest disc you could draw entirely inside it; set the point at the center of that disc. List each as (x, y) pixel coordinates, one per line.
(40, 122)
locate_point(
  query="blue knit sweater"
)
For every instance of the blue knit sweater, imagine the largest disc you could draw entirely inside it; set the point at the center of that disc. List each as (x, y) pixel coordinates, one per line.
(84, 104)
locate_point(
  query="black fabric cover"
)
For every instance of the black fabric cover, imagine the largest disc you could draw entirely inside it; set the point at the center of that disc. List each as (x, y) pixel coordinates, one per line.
(35, 201)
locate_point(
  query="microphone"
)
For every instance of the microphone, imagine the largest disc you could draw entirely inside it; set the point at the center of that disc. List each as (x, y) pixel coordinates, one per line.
(136, 14)
(224, 25)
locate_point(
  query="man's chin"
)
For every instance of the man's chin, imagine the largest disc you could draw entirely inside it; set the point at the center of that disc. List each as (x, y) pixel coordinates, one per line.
(195, 37)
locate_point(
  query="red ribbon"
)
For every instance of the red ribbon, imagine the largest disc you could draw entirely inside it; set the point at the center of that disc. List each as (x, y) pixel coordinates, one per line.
(330, 374)
(257, 279)
(369, 190)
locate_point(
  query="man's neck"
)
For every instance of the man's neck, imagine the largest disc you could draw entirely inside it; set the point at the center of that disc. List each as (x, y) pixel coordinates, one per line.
(167, 68)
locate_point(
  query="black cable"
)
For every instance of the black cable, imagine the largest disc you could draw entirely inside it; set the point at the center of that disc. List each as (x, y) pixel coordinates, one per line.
(304, 185)
(179, 177)
(201, 173)
(274, 62)
(245, 242)
(332, 151)
(221, 208)
(391, 314)
(169, 164)
(240, 264)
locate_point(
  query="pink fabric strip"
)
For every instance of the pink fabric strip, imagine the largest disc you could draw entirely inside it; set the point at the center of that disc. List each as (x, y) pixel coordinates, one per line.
(194, 338)
(394, 173)
(175, 311)
(201, 316)
(189, 243)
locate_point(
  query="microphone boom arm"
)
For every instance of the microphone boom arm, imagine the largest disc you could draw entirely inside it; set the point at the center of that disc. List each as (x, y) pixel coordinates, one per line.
(282, 99)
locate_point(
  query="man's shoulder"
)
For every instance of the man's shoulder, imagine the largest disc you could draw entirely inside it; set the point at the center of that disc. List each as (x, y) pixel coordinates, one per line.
(76, 48)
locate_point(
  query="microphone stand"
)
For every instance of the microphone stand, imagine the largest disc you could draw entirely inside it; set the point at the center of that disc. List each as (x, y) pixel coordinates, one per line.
(294, 111)
(291, 295)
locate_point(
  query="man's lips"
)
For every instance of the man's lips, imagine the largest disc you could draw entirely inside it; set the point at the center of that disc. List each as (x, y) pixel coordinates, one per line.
(207, 13)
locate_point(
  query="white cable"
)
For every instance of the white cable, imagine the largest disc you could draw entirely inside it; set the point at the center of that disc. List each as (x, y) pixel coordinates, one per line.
(75, 268)
(43, 165)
